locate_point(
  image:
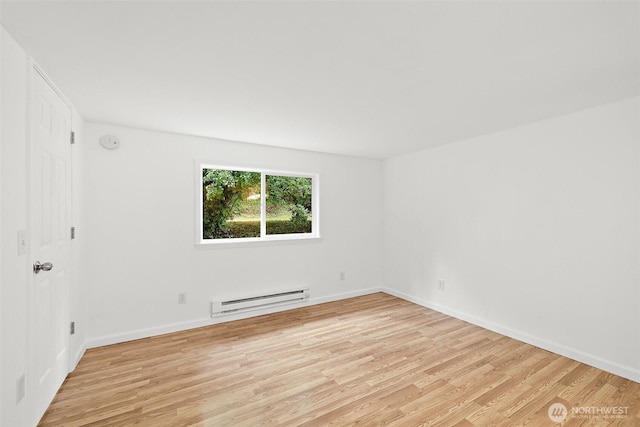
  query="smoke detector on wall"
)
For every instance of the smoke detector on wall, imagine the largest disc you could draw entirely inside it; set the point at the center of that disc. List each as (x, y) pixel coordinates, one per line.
(110, 142)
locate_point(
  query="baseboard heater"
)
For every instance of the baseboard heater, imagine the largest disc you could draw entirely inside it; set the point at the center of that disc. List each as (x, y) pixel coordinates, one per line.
(239, 305)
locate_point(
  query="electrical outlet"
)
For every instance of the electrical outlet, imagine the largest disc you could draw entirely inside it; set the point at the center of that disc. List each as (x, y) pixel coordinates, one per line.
(342, 275)
(441, 285)
(20, 389)
(182, 298)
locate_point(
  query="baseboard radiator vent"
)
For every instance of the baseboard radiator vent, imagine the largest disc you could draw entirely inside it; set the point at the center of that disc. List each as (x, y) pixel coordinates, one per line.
(239, 305)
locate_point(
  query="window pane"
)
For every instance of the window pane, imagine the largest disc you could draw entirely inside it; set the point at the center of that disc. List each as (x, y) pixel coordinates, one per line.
(288, 204)
(230, 204)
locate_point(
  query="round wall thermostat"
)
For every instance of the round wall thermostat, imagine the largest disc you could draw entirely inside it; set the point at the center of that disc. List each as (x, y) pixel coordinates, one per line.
(109, 142)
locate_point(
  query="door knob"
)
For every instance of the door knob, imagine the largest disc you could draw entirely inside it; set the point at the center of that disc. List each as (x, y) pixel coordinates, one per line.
(37, 267)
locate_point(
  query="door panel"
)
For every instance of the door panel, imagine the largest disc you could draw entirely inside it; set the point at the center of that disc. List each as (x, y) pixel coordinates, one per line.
(50, 241)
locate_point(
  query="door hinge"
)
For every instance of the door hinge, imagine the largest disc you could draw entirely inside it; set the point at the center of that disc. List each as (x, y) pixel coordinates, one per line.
(73, 137)
(72, 328)
(73, 233)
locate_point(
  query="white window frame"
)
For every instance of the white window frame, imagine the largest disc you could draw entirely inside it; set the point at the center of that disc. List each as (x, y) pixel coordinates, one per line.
(315, 206)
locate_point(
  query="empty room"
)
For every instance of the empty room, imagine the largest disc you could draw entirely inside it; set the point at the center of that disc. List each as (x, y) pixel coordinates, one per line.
(313, 213)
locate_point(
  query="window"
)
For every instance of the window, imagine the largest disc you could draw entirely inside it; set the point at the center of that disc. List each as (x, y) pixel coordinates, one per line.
(238, 204)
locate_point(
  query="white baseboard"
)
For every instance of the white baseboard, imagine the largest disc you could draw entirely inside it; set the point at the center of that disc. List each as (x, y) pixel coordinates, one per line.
(176, 327)
(77, 357)
(588, 359)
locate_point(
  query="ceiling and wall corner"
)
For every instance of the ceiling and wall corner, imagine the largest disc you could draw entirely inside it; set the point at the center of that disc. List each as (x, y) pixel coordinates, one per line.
(370, 79)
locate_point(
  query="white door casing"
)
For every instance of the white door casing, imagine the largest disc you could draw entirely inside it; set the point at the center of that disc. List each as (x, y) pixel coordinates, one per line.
(50, 219)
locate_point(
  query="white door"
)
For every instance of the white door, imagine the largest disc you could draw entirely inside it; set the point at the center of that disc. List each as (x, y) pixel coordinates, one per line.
(50, 209)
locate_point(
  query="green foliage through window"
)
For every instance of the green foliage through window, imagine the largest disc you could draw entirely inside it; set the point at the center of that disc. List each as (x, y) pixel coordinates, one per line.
(231, 204)
(293, 194)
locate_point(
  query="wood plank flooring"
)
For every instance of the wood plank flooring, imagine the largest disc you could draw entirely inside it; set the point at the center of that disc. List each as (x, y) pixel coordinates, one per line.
(371, 360)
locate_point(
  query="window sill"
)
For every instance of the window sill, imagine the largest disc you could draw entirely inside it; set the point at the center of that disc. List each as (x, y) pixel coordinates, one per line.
(256, 242)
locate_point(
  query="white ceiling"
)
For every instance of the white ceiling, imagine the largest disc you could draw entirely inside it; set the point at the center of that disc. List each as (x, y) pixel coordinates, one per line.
(372, 79)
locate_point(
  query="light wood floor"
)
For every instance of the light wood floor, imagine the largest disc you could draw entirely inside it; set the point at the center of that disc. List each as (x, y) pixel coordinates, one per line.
(372, 360)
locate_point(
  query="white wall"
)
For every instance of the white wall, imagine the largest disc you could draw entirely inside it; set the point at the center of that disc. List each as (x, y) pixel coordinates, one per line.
(140, 209)
(14, 268)
(1, 233)
(535, 231)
